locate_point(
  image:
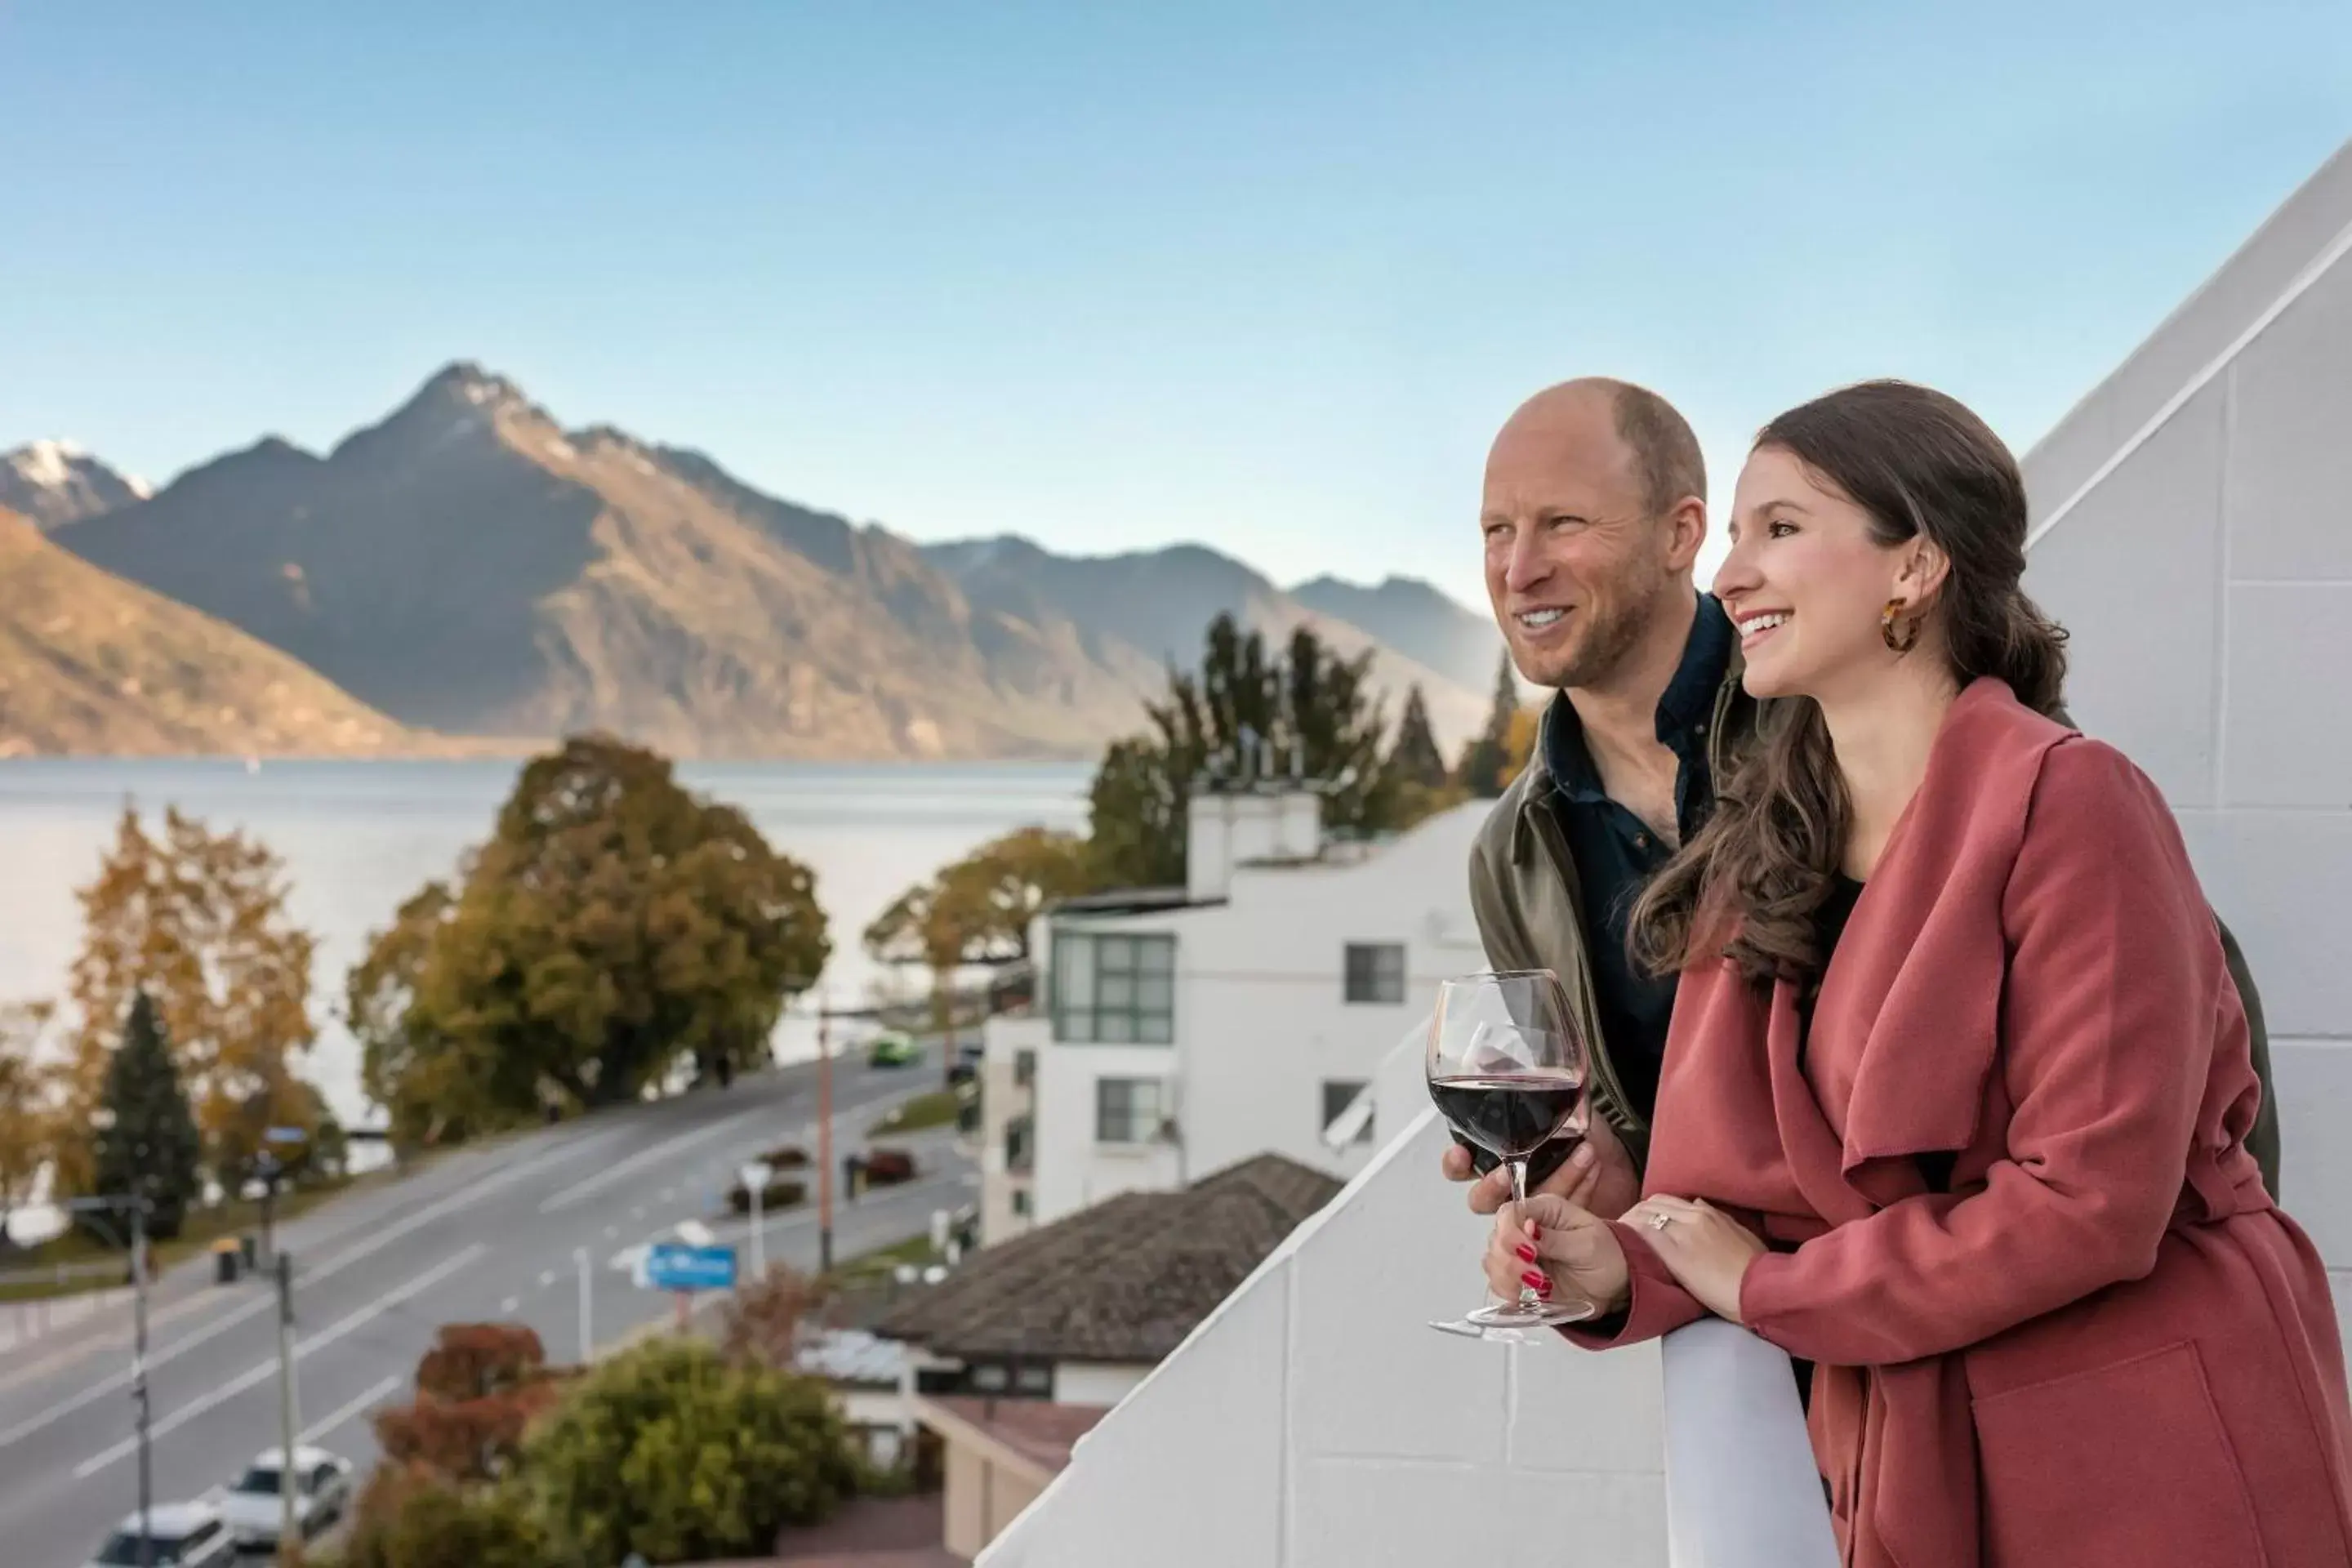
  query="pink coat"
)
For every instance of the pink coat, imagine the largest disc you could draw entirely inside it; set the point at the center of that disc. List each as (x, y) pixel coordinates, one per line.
(2103, 1347)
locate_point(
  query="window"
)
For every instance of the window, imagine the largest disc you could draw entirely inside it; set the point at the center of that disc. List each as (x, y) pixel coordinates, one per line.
(1126, 1109)
(1375, 971)
(1020, 1203)
(1114, 990)
(1339, 1093)
(1020, 1135)
(1024, 1066)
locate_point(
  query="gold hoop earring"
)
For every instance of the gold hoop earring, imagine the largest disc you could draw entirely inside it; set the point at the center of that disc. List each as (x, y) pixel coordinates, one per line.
(1907, 637)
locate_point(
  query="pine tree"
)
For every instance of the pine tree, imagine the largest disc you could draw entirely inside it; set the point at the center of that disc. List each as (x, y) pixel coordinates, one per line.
(147, 1143)
(1414, 758)
(1486, 761)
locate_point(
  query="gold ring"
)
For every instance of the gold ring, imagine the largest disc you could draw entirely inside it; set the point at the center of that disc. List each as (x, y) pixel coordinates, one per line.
(1660, 1220)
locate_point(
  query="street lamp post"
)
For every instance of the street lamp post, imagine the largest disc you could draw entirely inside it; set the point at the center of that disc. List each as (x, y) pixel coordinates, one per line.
(87, 1210)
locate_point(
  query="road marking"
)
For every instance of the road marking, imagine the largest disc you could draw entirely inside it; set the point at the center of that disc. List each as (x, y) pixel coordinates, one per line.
(668, 1149)
(510, 1304)
(255, 1376)
(318, 1429)
(546, 1278)
(439, 1207)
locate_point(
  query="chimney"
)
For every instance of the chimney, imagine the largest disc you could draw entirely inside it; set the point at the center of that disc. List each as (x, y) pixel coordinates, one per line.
(1226, 827)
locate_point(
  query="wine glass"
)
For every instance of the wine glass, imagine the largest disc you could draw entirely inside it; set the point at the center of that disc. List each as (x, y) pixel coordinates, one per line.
(1507, 1069)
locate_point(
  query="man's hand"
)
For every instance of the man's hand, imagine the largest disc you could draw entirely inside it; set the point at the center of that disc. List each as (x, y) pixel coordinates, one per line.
(1599, 1178)
(1549, 1244)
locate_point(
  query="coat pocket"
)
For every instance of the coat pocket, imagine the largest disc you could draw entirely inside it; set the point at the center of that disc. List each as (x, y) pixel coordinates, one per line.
(2124, 1466)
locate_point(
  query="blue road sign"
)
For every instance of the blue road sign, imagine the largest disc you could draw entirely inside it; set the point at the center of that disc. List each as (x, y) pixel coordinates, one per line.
(671, 1267)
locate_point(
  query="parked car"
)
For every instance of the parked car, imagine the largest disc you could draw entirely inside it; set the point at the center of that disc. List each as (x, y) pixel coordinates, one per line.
(178, 1535)
(895, 1051)
(322, 1491)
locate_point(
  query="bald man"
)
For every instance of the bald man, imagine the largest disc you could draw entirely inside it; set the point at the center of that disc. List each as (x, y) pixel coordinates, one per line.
(1594, 510)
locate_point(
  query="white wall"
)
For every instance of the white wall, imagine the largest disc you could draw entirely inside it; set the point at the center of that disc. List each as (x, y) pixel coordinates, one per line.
(2197, 509)
(1097, 1383)
(1332, 1428)
(1003, 1097)
(1261, 1016)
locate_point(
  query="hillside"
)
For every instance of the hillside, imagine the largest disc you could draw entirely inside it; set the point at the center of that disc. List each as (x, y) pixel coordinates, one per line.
(1158, 601)
(470, 566)
(1418, 621)
(91, 663)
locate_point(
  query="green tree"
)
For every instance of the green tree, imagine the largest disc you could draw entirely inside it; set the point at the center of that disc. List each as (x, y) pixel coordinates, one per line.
(408, 1516)
(1243, 713)
(978, 910)
(146, 1141)
(668, 1450)
(1415, 759)
(1135, 809)
(1486, 761)
(1333, 724)
(615, 925)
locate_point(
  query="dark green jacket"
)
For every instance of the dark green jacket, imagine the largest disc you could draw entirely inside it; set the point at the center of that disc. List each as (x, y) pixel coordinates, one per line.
(1523, 891)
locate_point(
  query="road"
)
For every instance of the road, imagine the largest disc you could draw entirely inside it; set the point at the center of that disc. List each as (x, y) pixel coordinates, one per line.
(478, 1235)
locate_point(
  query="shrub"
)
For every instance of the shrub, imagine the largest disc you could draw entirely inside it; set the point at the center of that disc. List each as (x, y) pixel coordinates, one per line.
(409, 1518)
(476, 1389)
(669, 1451)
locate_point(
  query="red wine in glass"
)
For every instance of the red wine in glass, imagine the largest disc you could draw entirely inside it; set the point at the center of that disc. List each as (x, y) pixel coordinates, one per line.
(1513, 1114)
(1506, 1069)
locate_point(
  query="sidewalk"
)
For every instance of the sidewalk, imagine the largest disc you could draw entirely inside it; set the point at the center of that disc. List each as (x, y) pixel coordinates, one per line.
(23, 1323)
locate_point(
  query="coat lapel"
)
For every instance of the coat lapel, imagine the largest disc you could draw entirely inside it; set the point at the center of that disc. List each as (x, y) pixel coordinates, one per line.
(1909, 1017)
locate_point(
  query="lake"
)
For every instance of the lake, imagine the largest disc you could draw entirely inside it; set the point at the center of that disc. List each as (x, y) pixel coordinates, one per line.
(358, 837)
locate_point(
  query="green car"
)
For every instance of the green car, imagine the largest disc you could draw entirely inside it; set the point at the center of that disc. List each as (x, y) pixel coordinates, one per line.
(896, 1051)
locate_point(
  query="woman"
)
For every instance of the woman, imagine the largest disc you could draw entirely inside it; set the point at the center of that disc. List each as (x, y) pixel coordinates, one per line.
(1986, 1170)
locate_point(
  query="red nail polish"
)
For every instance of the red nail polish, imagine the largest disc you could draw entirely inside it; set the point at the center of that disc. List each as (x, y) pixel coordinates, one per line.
(1535, 1281)
(1526, 1254)
(1544, 1289)
(1535, 1232)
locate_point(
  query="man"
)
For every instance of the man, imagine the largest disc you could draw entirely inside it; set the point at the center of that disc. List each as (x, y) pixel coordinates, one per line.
(1593, 514)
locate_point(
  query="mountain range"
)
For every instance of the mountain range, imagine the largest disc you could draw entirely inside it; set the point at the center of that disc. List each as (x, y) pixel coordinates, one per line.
(470, 567)
(91, 663)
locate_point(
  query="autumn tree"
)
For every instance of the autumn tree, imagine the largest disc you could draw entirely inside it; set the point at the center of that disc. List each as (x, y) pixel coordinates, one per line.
(29, 1116)
(979, 910)
(478, 1389)
(145, 1141)
(613, 925)
(197, 920)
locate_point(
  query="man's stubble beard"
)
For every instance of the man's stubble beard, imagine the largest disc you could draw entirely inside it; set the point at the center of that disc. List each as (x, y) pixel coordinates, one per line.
(1616, 630)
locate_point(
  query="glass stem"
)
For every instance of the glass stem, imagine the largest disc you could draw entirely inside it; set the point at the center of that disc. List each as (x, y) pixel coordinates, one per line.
(1527, 1297)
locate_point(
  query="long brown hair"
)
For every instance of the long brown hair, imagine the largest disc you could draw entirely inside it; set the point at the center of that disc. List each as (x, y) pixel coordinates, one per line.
(1748, 884)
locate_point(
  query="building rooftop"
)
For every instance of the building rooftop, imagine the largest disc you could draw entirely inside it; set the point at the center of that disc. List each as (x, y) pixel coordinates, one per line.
(1124, 1280)
(1038, 1431)
(852, 1355)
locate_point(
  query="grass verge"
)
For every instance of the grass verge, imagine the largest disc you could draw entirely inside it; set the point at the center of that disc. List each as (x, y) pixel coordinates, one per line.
(936, 1109)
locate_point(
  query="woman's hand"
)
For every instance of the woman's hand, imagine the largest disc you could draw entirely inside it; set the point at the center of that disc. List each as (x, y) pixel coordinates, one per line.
(1706, 1250)
(1549, 1244)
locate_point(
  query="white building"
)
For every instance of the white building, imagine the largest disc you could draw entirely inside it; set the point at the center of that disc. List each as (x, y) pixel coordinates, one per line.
(1180, 1031)
(2194, 529)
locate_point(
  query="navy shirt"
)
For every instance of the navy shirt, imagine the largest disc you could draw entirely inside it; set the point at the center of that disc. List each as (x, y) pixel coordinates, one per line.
(1616, 853)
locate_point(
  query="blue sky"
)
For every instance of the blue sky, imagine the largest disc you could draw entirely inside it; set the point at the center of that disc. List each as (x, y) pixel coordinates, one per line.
(1116, 275)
